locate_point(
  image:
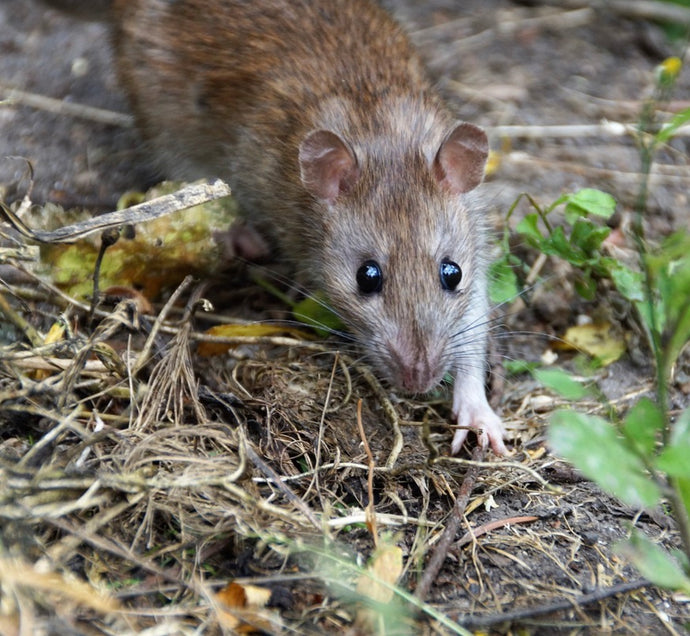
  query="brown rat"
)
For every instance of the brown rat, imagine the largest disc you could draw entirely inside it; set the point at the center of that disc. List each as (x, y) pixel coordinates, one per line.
(340, 152)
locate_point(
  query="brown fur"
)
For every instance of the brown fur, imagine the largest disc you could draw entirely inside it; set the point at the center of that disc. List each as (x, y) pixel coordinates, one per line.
(237, 89)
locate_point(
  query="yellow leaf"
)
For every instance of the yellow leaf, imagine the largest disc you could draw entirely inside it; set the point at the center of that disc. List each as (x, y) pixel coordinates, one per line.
(473, 505)
(255, 330)
(385, 567)
(55, 334)
(597, 340)
(493, 163)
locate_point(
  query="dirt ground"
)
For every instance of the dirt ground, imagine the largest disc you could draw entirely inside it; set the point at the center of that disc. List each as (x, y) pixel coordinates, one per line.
(254, 469)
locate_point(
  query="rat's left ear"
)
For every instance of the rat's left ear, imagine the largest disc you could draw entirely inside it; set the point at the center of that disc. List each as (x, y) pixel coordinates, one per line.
(460, 161)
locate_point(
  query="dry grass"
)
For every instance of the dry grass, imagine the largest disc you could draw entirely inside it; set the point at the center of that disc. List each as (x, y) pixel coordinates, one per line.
(138, 478)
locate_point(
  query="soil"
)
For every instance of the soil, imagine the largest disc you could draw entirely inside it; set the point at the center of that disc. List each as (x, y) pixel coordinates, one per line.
(254, 469)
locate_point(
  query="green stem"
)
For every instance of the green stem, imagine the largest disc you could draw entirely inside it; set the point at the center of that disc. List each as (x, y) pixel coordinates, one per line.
(680, 514)
(660, 349)
(272, 289)
(647, 149)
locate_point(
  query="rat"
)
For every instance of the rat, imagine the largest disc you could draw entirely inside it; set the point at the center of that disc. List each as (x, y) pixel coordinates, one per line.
(342, 155)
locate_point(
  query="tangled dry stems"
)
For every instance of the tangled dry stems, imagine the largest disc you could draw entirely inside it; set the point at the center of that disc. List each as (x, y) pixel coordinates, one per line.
(138, 478)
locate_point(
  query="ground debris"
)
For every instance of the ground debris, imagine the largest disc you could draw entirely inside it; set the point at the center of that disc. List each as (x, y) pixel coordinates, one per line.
(139, 478)
(153, 476)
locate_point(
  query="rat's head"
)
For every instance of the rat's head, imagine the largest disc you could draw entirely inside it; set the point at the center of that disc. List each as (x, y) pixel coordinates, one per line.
(401, 258)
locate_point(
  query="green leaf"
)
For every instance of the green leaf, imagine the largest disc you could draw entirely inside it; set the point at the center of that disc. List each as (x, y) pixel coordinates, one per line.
(678, 120)
(674, 286)
(588, 236)
(683, 559)
(528, 228)
(594, 446)
(564, 198)
(682, 486)
(628, 282)
(669, 270)
(515, 367)
(652, 314)
(586, 286)
(560, 382)
(503, 283)
(558, 244)
(673, 460)
(315, 312)
(654, 563)
(680, 336)
(589, 201)
(680, 429)
(642, 424)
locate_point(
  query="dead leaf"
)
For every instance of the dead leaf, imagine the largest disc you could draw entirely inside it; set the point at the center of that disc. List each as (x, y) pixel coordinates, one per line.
(142, 303)
(385, 567)
(243, 609)
(493, 162)
(55, 334)
(596, 339)
(255, 330)
(161, 252)
(383, 571)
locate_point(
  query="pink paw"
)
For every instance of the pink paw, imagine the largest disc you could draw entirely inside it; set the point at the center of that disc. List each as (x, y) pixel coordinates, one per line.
(482, 419)
(242, 241)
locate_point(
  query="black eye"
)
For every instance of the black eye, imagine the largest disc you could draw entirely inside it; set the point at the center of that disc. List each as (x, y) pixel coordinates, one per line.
(369, 277)
(451, 274)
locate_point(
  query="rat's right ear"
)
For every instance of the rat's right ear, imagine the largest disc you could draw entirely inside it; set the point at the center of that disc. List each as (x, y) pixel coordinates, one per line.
(328, 167)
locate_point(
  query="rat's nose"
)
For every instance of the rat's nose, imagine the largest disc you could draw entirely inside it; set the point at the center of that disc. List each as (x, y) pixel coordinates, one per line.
(415, 369)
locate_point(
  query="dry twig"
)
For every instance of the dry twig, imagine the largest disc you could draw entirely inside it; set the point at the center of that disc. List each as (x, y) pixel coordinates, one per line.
(445, 542)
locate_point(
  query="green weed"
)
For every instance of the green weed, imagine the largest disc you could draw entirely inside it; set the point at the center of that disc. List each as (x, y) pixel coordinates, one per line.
(642, 457)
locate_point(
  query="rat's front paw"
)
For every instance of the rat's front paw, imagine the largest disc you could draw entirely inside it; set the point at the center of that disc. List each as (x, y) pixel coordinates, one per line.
(478, 415)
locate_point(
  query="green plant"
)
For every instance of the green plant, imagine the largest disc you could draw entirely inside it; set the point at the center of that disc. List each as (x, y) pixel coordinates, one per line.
(578, 241)
(643, 457)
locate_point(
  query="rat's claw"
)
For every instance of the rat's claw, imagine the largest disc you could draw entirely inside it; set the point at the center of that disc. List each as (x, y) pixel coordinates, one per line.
(496, 440)
(458, 440)
(481, 418)
(492, 432)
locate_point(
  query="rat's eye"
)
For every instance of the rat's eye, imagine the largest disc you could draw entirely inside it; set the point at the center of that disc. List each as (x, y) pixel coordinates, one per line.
(369, 277)
(451, 274)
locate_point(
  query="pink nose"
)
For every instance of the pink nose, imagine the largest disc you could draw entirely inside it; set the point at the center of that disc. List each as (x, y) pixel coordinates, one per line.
(414, 371)
(414, 362)
(416, 376)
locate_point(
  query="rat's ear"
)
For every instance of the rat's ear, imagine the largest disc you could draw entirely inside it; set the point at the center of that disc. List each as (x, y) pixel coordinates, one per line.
(328, 167)
(459, 164)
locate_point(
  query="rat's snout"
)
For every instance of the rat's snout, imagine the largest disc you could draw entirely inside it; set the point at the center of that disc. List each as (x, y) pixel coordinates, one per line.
(415, 378)
(414, 369)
